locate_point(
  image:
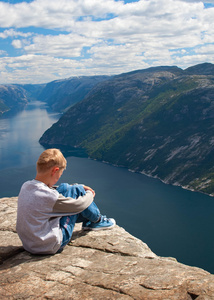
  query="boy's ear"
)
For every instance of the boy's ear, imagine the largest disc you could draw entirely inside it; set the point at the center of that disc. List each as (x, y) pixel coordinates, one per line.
(54, 170)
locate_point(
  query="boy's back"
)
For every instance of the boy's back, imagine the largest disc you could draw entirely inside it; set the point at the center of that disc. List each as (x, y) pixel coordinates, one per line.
(37, 225)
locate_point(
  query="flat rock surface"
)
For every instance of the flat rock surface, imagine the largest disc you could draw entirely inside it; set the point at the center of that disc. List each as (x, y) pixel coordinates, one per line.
(108, 264)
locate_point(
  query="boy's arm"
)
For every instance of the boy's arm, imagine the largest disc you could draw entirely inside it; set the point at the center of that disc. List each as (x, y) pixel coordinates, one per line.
(71, 205)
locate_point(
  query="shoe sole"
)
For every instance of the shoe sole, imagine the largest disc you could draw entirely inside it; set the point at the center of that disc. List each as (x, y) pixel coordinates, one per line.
(99, 228)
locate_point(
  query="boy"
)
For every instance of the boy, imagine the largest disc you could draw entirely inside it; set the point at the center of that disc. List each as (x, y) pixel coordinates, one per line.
(46, 218)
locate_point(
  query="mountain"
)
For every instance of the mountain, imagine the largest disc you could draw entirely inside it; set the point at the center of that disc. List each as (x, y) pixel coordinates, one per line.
(12, 97)
(33, 91)
(157, 121)
(61, 94)
(201, 69)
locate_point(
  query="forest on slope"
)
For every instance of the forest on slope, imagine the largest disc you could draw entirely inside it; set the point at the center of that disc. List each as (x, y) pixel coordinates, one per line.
(158, 121)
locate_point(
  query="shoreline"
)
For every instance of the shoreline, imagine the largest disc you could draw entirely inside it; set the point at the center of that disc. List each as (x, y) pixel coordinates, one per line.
(156, 177)
(133, 171)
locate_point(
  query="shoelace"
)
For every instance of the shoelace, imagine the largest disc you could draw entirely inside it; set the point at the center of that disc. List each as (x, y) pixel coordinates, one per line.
(104, 218)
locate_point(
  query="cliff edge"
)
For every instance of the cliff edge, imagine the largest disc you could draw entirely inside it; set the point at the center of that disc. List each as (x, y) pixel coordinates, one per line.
(109, 264)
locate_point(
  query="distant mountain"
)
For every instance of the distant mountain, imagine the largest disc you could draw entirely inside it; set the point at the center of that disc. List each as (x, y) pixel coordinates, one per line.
(12, 97)
(157, 121)
(33, 91)
(61, 94)
(201, 69)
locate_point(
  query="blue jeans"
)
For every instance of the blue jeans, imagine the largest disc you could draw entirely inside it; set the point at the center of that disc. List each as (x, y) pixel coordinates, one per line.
(67, 223)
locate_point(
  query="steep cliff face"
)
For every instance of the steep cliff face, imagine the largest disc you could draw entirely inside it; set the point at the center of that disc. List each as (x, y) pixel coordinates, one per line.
(61, 94)
(109, 264)
(157, 121)
(12, 96)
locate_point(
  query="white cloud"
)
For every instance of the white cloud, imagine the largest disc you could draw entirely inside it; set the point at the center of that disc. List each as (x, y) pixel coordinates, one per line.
(63, 45)
(206, 50)
(17, 44)
(190, 60)
(103, 36)
(12, 33)
(204, 1)
(53, 13)
(40, 68)
(2, 52)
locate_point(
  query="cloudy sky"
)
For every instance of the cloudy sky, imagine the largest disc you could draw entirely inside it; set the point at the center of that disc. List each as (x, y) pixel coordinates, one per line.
(45, 40)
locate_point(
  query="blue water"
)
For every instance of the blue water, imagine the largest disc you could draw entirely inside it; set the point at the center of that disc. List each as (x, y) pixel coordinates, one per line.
(172, 221)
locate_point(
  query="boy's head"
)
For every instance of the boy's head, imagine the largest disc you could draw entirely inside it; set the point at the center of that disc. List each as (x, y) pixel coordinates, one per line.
(51, 158)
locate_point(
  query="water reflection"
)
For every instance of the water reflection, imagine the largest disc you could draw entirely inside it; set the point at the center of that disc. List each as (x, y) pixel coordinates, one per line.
(19, 134)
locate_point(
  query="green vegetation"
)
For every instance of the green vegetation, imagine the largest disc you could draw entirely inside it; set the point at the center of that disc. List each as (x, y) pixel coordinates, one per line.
(158, 121)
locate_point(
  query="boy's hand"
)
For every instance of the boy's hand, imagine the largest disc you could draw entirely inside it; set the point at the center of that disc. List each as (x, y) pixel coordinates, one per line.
(87, 188)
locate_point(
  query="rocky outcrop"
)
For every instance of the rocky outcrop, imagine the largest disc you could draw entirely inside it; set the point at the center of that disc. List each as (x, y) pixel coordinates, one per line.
(95, 265)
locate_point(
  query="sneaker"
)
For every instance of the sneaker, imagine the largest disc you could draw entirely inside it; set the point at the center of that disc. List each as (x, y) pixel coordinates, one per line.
(104, 223)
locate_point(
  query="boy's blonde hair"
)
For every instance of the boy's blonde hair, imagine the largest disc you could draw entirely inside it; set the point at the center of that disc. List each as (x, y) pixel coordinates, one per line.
(51, 158)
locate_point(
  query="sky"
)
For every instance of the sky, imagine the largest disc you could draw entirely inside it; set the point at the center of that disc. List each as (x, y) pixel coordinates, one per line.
(46, 40)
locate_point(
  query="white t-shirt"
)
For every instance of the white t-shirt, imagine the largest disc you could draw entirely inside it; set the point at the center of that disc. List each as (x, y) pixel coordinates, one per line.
(39, 211)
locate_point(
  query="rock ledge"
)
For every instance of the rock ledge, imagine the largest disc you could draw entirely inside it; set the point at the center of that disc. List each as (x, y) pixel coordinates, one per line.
(109, 264)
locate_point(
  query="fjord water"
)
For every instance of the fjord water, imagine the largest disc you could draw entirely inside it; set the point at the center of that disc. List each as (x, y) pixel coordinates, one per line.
(172, 221)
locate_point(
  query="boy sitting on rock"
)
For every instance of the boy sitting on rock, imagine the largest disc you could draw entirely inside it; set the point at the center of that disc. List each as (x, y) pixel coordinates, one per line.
(46, 216)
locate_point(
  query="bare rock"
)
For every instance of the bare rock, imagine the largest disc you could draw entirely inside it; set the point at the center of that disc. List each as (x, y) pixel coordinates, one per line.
(108, 264)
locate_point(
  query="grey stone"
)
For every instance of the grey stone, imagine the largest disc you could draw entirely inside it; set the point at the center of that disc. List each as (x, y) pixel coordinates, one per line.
(108, 264)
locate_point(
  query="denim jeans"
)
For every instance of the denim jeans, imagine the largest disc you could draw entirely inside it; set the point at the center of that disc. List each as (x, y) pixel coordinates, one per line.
(67, 223)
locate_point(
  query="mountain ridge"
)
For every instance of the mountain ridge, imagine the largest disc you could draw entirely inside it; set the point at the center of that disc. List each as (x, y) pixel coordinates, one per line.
(61, 94)
(58, 94)
(158, 122)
